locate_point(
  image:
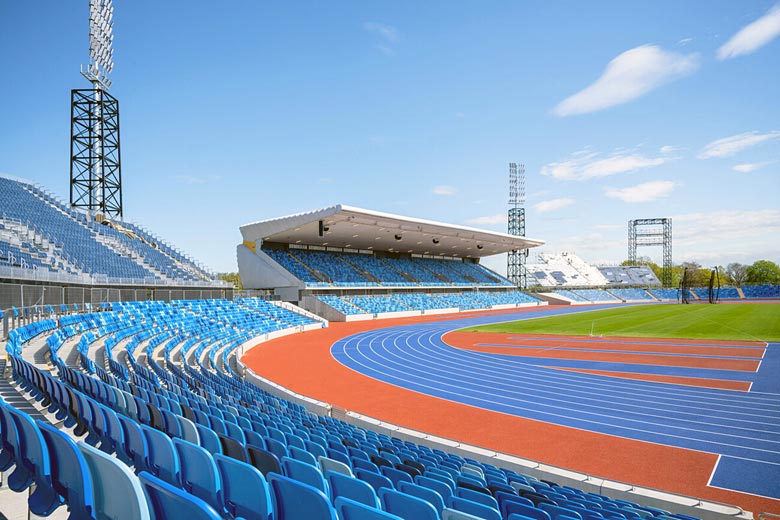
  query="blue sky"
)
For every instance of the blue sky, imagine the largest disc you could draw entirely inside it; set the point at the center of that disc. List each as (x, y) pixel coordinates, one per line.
(237, 111)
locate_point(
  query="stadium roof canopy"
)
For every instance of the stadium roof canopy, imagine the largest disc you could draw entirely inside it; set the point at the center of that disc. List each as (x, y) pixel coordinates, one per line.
(356, 228)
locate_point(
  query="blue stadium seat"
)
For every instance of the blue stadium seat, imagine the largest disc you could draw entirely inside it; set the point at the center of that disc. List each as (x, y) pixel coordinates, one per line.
(117, 492)
(245, 490)
(452, 514)
(473, 508)
(162, 459)
(136, 448)
(208, 439)
(304, 472)
(167, 501)
(350, 510)
(199, 474)
(424, 493)
(32, 464)
(69, 472)
(374, 479)
(509, 508)
(406, 506)
(349, 487)
(294, 500)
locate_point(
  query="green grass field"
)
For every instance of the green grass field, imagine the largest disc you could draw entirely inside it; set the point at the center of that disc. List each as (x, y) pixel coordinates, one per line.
(748, 322)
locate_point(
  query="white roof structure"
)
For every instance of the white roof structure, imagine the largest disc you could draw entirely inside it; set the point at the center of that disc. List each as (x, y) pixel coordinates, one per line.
(356, 228)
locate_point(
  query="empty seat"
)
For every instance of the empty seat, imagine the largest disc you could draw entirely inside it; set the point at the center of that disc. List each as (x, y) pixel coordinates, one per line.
(162, 459)
(326, 464)
(208, 439)
(427, 494)
(116, 492)
(376, 480)
(32, 463)
(406, 506)
(199, 475)
(444, 490)
(473, 508)
(350, 510)
(509, 507)
(295, 500)
(263, 460)
(302, 455)
(304, 472)
(349, 487)
(69, 471)
(476, 496)
(453, 514)
(233, 448)
(245, 490)
(166, 501)
(395, 475)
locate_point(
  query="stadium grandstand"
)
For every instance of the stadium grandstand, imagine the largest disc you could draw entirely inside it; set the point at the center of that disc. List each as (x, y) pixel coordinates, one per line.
(630, 275)
(564, 269)
(44, 243)
(348, 263)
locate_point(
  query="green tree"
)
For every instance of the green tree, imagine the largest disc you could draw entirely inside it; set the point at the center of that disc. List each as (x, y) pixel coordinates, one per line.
(699, 277)
(233, 278)
(736, 273)
(763, 271)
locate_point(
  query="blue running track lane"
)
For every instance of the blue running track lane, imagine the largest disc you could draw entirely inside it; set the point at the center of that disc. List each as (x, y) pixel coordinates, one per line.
(742, 427)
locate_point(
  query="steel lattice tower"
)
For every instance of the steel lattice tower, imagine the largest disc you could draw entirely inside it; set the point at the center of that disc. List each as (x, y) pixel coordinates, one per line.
(646, 232)
(515, 261)
(95, 162)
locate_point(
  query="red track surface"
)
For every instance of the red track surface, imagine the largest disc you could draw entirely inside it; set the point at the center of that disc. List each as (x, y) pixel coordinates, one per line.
(302, 363)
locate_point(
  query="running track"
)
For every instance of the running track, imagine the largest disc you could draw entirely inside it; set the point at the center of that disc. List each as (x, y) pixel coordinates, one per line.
(739, 432)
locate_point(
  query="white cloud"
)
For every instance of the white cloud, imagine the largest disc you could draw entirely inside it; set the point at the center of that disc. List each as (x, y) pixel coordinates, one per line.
(726, 226)
(628, 76)
(386, 32)
(720, 237)
(546, 206)
(584, 165)
(668, 149)
(684, 41)
(644, 192)
(488, 220)
(443, 190)
(753, 36)
(750, 167)
(734, 144)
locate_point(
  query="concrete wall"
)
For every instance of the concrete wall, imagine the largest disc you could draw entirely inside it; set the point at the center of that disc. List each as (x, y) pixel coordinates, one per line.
(260, 271)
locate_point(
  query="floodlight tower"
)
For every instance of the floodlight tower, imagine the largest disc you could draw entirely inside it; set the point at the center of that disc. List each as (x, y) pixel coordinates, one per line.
(95, 165)
(515, 261)
(646, 232)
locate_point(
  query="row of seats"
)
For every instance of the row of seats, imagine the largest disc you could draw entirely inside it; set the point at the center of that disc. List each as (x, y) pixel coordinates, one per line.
(321, 269)
(405, 302)
(199, 441)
